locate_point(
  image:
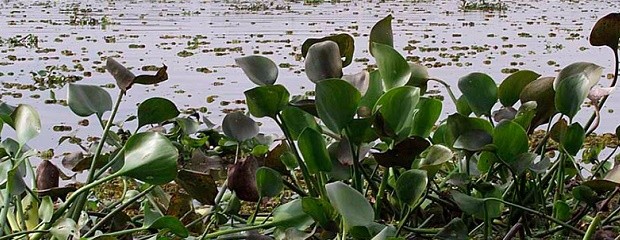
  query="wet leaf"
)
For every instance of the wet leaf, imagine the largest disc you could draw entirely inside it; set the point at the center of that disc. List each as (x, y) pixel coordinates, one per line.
(350, 204)
(124, 78)
(346, 45)
(156, 110)
(606, 31)
(336, 103)
(27, 123)
(260, 70)
(149, 157)
(200, 186)
(85, 100)
(313, 149)
(268, 182)
(160, 76)
(403, 154)
(381, 32)
(323, 61)
(411, 186)
(393, 67)
(266, 101)
(480, 91)
(510, 89)
(242, 179)
(239, 127)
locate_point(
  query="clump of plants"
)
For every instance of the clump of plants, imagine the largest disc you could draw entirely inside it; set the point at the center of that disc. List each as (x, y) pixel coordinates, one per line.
(482, 5)
(367, 156)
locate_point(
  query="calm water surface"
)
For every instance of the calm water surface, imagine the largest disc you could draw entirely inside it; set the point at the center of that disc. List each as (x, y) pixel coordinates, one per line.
(542, 36)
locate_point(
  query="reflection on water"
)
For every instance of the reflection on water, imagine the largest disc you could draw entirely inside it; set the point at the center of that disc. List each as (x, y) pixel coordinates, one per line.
(198, 41)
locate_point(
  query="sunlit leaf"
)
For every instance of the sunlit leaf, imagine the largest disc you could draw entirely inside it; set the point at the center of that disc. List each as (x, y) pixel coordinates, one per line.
(260, 70)
(150, 157)
(65, 229)
(393, 67)
(419, 77)
(540, 91)
(27, 123)
(397, 108)
(428, 112)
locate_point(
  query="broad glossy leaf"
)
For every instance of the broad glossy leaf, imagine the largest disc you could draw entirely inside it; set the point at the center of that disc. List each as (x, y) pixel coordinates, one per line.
(403, 154)
(266, 101)
(65, 229)
(290, 214)
(591, 71)
(320, 210)
(336, 103)
(540, 91)
(297, 120)
(511, 140)
(85, 100)
(359, 80)
(27, 123)
(561, 210)
(150, 157)
(411, 186)
(350, 204)
(393, 67)
(473, 140)
(436, 154)
(313, 149)
(260, 70)
(268, 182)
(361, 131)
(345, 42)
(454, 230)
(124, 78)
(5, 113)
(570, 94)
(467, 204)
(239, 127)
(525, 114)
(606, 31)
(374, 92)
(323, 61)
(429, 110)
(480, 91)
(458, 124)
(156, 110)
(573, 139)
(46, 209)
(170, 223)
(510, 89)
(419, 77)
(397, 107)
(15, 183)
(160, 76)
(198, 185)
(381, 32)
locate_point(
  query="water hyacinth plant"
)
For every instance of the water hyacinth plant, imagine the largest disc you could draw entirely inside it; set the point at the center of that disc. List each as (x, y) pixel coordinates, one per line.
(369, 155)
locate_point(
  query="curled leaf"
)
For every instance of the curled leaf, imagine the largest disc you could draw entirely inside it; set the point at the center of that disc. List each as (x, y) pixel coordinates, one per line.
(124, 78)
(160, 76)
(606, 31)
(242, 179)
(323, 61)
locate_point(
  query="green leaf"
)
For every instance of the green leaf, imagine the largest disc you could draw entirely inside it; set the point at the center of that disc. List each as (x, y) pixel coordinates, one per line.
(27, 123)
(480, 91)
(261, 70)
(393, 67)
(46, 209)
(84, 100)
(585, 194)
(323, 61)
(156, 110)
(435, 155)
(350, 204)
(454, 230)
(458, 124)
(336, 103)
(345, 42)
(606, 31)
(388, 233)
(419, 77)
(314, 152)
(170, 223)
(411, 186)
(381, 32)
(65, 229)
(462, 106)
(511, 140)
(397, 107)
(290, 214)
(466, 203)
(511, 87)
(570, 94)
(5, 113)
(150, 157)
(374, 92)
(239, 127)
(124, 78)
(562, 211)
(297, 120)
(266, 101)
(268, 182)
(428, 112)
(540, 91)
(573, 138)
(320, 210)
(473, 140)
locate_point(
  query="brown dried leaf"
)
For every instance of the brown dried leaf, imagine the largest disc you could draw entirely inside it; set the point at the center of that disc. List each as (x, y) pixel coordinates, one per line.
(242, 179)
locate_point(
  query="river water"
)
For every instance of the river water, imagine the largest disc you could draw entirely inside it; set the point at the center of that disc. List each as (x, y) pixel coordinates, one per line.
(199, 40)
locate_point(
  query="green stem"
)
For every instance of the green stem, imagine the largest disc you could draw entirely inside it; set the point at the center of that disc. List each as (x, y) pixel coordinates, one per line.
(213, 208)
(447, 88)
(236, 230)
(5, 209)
(593, 226)
(302, 165)
(379, 198)
(125, 232)
(111, 214)
(79, 205)
(253, 216)
(403, 220)
(17, 234)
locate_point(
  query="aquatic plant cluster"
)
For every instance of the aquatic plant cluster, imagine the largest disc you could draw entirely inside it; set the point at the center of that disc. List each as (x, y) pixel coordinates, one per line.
(366, 156)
